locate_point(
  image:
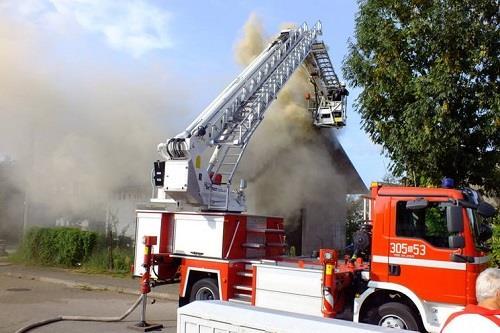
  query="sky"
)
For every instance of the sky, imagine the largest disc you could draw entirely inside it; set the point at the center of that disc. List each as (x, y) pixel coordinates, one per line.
(190, 43)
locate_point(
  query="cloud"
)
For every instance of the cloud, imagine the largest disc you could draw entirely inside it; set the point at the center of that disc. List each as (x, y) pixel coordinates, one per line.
(134, 26)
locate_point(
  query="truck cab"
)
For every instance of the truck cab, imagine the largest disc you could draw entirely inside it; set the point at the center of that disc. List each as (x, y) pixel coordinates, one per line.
(427, 251)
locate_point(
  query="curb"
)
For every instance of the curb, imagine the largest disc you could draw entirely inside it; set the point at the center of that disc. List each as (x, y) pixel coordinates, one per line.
(88, 286)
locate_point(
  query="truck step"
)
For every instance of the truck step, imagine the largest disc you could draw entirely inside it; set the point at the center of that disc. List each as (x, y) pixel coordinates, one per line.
(276, 244)
(254, 245)
(264, 230)
(240, 300)
(245, 274)
(243, 296)
(242, 287)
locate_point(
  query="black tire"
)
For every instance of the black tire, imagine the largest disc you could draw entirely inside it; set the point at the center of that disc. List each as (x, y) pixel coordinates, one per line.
(183, 301)
(397, 315)
(204, 290)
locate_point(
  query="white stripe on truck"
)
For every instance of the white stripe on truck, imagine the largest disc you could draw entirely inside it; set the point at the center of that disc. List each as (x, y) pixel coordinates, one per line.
(420, 262)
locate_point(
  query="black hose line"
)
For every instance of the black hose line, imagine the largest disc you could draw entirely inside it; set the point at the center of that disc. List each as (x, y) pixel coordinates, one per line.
(80, 318)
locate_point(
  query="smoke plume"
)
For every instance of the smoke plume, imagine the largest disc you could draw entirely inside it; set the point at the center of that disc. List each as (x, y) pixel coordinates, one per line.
(288, 164)
(77, 129)
(253, 42)
(81, 129)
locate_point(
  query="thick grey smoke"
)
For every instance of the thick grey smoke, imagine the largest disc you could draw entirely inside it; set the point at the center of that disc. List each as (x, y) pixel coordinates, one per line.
(79, 130)
(78, 134)
(289, 164)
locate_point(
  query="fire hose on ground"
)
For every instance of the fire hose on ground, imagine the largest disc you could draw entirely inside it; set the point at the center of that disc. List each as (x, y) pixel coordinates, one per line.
(149, 241)
(81, 318)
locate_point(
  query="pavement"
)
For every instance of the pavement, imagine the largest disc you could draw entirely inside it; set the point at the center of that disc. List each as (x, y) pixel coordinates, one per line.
(30, 293)
(75, 279)
(23, 302)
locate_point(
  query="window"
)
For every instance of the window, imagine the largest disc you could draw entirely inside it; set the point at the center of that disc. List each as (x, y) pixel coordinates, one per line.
(428, 223)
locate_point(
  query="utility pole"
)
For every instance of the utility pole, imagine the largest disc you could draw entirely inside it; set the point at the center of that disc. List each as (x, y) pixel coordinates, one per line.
(28, 179)
(25, 212)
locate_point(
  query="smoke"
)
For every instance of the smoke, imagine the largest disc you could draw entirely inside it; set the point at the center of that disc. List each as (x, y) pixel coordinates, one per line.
(79, 129)
(253, 42)
(289, 165)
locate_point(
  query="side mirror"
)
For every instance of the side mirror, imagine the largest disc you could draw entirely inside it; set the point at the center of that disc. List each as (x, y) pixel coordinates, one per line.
(417, 204)
(454, 220)
(456, 242)
(485, 209)
(485, 232)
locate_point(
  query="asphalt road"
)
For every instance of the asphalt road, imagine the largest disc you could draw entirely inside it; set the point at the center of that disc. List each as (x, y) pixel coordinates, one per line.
(24, 301)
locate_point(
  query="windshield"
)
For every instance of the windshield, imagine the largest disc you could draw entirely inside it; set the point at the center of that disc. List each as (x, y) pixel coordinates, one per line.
(473, 225)
(476, 222)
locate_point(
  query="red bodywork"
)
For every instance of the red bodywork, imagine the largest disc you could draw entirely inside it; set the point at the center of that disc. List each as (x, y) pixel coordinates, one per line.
(149, 242)
(424, 269)
(428, 272)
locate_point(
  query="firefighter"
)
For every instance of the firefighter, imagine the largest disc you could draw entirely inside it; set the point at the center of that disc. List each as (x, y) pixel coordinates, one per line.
(339, 92)
(485, 316)
(343, 90)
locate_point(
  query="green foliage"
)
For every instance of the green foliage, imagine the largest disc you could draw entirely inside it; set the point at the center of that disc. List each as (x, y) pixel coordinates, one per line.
(71, 247)
(430, 72)
(435, 222)
(354, 216)
(57, 246)
(110, 255)
(495, 243)
(99, 262)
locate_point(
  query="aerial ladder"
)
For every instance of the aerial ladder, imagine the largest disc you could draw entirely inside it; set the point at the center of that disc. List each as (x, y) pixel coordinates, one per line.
(198, 165)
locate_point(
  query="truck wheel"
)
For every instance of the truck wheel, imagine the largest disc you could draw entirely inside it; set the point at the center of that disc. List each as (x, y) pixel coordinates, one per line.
(397, 315)
(204, 290)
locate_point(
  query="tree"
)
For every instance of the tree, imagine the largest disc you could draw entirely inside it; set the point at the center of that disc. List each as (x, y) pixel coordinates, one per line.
(354, 216)
(494, 242)
(429, 71)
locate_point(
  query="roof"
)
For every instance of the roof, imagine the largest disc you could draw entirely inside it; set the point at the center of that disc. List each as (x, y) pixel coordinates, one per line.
(354, 183)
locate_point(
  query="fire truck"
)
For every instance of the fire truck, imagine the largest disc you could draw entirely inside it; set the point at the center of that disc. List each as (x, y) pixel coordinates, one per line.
(414, 260)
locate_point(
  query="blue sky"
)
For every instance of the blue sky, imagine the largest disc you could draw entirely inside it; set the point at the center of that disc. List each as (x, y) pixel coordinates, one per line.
(191, 42)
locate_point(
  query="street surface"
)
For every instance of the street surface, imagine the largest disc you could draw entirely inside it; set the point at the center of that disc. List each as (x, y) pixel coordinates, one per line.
(23, 301)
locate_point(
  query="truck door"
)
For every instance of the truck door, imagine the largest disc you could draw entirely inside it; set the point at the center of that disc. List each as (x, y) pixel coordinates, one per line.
(419, 254)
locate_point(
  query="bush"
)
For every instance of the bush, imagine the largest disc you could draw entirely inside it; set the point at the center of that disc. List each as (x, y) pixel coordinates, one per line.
(111, 255)
(57, 246)
(71, 247)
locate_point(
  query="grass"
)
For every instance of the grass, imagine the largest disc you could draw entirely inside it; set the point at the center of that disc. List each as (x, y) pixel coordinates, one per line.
(117, 264)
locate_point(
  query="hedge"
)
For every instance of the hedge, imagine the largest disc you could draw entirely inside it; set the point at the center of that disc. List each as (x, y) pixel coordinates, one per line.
(57, 246)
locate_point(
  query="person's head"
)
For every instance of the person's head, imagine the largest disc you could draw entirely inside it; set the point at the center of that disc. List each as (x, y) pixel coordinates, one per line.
(488, 288)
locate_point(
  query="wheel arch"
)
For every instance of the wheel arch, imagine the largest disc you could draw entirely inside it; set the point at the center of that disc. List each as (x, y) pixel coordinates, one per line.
(379, 293)
(195, 274)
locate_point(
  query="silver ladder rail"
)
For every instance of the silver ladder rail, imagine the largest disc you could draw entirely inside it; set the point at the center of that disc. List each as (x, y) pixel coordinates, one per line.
(324, 64)
(226, 126)
(265, 83)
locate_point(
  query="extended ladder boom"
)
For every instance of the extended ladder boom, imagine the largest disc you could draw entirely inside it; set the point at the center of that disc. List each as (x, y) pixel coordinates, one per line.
(227, 124)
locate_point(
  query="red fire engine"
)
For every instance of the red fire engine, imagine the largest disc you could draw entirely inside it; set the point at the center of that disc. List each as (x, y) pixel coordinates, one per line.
(424, 248)
(413, 262)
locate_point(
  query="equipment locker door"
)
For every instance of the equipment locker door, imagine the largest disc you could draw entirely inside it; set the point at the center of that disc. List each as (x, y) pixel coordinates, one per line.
(419, 255)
